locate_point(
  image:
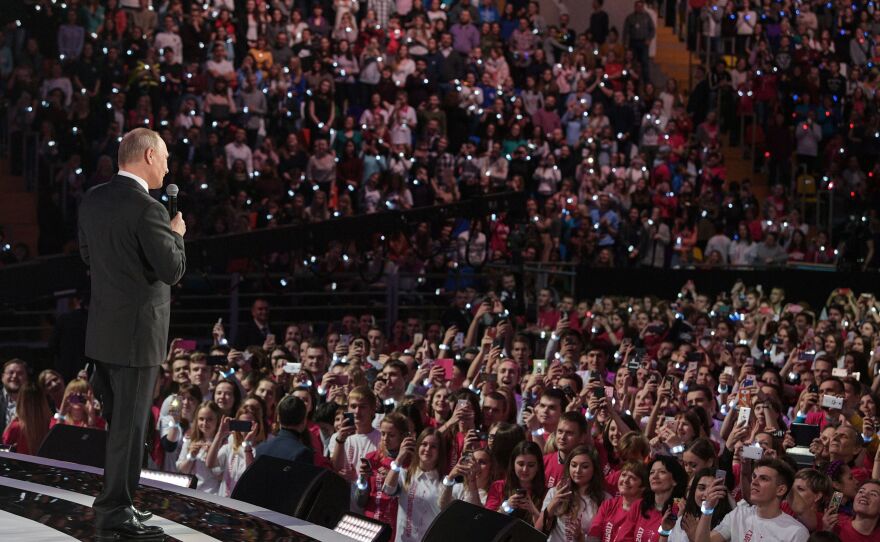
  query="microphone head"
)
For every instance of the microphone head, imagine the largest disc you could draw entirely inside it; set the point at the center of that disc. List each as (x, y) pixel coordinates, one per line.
(172, 190)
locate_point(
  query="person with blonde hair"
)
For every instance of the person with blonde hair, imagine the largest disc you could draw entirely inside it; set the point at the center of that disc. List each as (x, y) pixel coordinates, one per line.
(78, 407)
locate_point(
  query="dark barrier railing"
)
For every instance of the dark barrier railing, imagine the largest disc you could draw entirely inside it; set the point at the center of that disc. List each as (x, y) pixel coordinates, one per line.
(810, 284)
(46, 277)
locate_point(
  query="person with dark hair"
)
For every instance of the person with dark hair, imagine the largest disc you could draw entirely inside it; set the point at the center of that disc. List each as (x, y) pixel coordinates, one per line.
(502, 439)
(700, 454)
(682, 528)
(667, 480)
(613, 513)
(14, 377)
(772, 479)
(862, 525)
(542, 420)
(227, 396)
(572, 505)
(521, 492)
(31, 422)
(292, 441)
(599, 22)
(571, 432)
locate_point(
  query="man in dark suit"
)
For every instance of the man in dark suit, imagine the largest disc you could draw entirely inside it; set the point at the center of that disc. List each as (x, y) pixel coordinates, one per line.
(257, 330)
(289, 442)
(134, 255)
(68, 341)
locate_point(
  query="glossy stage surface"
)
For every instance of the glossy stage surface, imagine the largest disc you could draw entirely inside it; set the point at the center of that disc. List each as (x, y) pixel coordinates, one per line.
(48, 501)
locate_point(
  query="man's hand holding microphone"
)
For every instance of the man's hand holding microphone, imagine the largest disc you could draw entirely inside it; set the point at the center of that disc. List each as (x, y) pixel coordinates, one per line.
(178, 226)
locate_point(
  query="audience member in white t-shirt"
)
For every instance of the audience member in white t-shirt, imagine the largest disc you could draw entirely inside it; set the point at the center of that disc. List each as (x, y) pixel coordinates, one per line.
(354, 441)
(763, 520)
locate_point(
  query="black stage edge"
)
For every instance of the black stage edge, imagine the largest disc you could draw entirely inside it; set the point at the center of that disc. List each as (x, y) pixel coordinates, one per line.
(59, 495)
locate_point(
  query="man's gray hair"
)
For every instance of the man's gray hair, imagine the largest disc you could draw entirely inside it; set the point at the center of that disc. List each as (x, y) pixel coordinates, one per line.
(135, 143)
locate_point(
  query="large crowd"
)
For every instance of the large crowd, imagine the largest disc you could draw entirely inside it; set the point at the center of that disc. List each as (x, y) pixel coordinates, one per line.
(294, 111)
(700, 418)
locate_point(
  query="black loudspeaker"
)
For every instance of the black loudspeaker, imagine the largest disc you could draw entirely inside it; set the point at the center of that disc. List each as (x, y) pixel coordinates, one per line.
(465, 521)
(304, 491)
(75, 444)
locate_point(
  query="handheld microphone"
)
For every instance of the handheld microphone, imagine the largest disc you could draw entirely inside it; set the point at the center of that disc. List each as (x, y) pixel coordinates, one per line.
(171, 190)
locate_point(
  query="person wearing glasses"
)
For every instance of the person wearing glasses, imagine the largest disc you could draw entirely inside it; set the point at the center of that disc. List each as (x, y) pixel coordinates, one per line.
(79, 407)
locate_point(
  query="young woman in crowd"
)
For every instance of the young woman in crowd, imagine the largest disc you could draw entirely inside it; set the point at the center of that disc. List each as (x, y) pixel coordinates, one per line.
(194, 451)
(667, 481)
(174, 426)
(469, 479)
(521, 492)
(418, 485)
(684, 527)
(570, 507)
(30, 425)
(373, 495)
(232, 451)
(51, 383)
(78, 407)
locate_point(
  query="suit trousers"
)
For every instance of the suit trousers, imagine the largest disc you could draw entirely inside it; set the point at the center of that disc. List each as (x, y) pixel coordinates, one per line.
(132, 394)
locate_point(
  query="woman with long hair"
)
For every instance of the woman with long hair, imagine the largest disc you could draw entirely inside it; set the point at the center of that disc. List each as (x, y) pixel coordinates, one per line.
(667, 480)
(685, 527)
(308, 396)
(31, 423)
(227, 397)
(569, 508)
(233, 451)
(51, 383)
(471, 477)
(503, 437)
(372, 494)
(699, 455)
(439, 409)
(418, 502)
(521, 492)
(173, 426)
(194, 452)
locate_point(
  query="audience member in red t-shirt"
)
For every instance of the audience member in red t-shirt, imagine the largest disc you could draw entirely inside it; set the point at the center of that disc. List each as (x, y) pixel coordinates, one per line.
(569, 434)
(667, 480)
(521, 492)
(613, 513)
(862, 526)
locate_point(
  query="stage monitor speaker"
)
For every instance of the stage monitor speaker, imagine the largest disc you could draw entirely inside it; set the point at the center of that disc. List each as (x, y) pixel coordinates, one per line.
(304, 491)
(465, 521)
(75, 444)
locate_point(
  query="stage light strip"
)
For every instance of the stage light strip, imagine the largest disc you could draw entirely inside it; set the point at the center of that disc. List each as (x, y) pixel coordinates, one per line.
(171, 528)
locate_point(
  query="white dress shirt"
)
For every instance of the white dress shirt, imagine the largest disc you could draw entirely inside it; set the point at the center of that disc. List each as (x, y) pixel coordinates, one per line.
(139, 180)
(418, 505)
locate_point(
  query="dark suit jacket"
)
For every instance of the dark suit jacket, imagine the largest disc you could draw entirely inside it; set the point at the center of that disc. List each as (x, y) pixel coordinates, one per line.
(68, 343)
(2, 411)
(126, 240)
(249, 335)
(286, 446)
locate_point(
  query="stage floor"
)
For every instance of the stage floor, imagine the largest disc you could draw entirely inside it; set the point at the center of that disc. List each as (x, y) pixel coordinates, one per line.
(48, 501)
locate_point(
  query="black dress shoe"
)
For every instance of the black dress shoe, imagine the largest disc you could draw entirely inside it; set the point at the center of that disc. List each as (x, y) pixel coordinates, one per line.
(141, 516)
(132, 529)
